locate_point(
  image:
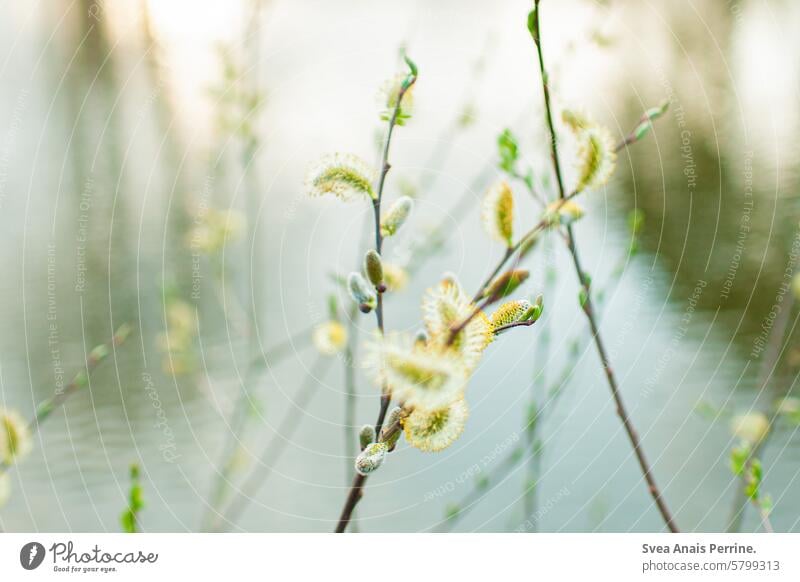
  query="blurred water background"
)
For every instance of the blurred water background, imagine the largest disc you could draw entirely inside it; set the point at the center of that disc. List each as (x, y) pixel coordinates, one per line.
(123, 121)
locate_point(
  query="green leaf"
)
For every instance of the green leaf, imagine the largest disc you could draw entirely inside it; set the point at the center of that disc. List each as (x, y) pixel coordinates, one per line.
(533, 416)
(583, 297)
(636, 219)
(452, 510)
(739, 457)
(766, 504)
(706, 410)
(533, 25)
(412, 66)
(508, 148)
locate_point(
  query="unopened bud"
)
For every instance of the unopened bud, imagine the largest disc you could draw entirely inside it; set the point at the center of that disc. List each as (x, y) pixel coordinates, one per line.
(366, 436)
(361, 292)
(506, 284)
(373, 266)
(396, 216)
(371, 458)
(392, 424)
(536, 310)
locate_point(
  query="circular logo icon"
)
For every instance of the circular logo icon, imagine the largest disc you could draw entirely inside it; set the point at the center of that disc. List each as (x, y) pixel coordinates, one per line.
(31, 555)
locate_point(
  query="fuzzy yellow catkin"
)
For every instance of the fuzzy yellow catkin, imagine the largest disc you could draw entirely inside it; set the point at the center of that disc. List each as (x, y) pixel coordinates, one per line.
(390, 93)
(563, 212)
(394, 276)
(434, 430)
(751, 427)
(344, 175)
(511, 312)
(15, 437)
(596, 158)
(419, 375)
(446, 305)
(396, 216)
(329, 338)
(498, 213)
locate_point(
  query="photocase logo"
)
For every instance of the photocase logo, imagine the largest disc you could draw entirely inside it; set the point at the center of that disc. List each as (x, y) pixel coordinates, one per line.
(31, 555)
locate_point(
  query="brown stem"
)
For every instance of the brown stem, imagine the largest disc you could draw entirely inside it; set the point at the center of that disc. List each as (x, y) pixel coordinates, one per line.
(490, 278)
(357, 488)
(622, 412)
(503, 328)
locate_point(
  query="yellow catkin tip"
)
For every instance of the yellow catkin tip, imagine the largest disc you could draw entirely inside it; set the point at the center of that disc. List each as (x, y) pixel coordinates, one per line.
(751, 428)
(435, 430)
(498, 213)
(330, 338)
(15, 437)
(510, 312)
(420, 376)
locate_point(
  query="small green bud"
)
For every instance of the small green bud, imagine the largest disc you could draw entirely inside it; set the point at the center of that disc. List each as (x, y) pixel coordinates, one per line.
(412, 66)
(333, 307)
(366, 436)
(451, 511)
(506, 284)
(636, 221)
(421, 338)
(98, 353)
(392, 419)
(583, 297)
(373, 267)
(739, 456)
(122, 334)
(371, 458)
(396, 216)
(537, 309)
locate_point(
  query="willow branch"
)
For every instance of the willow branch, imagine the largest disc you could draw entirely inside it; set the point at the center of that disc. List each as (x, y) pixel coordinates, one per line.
(80, 380)
(356, 489)
(622, 412)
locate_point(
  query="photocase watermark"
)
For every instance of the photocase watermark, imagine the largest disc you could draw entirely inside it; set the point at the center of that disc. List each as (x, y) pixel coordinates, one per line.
(543, 510)
(677, 338)
(82, 237)
(761, 341)
(632, 316)
(195, 242)
(473, 470)
(51, 313)
(10, 141)
(744, 227)
(66, 559)
(31, 555)
(169, 450)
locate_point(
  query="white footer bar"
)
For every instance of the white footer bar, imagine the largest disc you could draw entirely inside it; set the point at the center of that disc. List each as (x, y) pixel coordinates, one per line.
(401, 557)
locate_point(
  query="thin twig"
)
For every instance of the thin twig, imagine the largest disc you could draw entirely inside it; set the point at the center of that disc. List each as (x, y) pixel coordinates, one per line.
(356, 489)
(775, 347)
(276, 447)
(655, 492)
(81, 380)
